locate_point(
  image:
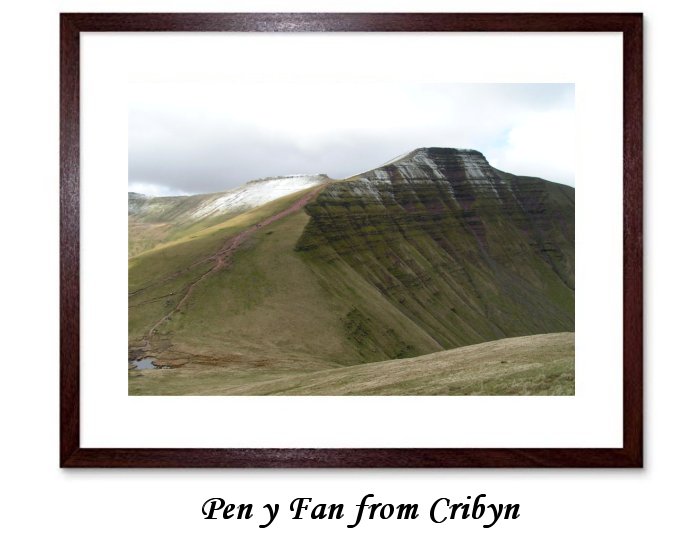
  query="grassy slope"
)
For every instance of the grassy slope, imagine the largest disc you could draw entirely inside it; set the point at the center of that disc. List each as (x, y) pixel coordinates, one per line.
(272, 308)
(147, 270)
(532, 365)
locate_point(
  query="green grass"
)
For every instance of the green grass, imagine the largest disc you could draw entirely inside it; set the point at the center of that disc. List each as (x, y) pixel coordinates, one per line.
(271, 305)
(268, 306)
(155, 274)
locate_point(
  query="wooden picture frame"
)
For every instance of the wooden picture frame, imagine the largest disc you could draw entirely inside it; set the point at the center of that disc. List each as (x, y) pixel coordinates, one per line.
(71, 452)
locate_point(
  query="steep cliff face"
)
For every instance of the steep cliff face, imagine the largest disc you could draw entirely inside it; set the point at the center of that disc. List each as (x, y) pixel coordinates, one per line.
(465, 251)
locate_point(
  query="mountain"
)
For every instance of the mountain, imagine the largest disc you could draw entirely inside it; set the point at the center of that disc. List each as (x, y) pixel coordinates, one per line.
(154, 220)
(465, 251)
(430, 252)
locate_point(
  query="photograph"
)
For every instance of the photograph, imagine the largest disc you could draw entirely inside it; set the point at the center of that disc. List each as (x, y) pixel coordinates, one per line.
(330, 237)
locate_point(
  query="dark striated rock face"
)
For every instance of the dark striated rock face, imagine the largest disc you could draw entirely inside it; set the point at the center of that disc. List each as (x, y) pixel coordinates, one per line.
(466, 251)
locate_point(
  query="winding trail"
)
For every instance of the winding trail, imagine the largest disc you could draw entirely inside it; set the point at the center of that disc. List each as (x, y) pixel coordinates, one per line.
(220, 258)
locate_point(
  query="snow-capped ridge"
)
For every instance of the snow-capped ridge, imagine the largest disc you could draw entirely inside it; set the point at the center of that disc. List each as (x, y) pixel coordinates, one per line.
(428, 165)
(256, 193)
(289, 177)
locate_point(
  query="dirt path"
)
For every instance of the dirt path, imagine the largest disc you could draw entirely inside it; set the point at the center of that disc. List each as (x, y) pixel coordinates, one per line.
(221, 257)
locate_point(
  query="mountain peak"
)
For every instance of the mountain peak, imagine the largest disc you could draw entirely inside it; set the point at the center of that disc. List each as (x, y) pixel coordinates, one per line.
(445, 153)
(448, 152)
(431, 163)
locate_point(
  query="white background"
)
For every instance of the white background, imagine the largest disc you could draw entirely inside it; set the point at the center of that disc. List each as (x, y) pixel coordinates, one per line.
(41, 502)
(593, 418)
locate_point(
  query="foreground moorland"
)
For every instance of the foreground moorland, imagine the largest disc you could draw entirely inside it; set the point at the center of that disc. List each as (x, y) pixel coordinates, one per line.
(531, 365)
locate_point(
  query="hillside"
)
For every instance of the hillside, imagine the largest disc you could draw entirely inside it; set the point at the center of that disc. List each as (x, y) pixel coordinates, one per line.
(432, 251)
(155, 220)
(531, 365)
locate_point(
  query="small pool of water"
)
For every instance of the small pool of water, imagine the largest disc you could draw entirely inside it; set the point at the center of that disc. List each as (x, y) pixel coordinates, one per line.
(142, 364)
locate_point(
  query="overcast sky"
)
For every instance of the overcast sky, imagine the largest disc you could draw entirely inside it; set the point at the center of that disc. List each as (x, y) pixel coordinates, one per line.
(199, 138)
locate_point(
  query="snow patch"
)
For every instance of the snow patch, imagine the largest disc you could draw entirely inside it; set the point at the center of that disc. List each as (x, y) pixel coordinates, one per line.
(256, 193)
(479, 173)
(380, 175)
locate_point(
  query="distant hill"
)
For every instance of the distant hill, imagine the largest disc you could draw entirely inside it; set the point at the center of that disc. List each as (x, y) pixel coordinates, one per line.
(154, 220)
(432, 251)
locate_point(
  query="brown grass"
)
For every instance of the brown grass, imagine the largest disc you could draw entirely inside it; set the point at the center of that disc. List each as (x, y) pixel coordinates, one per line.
(531, 365)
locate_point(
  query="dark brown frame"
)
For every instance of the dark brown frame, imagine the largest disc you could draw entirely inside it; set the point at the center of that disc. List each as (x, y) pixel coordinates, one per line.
(72, 455)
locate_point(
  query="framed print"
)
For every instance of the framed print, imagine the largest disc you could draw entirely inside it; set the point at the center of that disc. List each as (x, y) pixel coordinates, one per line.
(351, 240)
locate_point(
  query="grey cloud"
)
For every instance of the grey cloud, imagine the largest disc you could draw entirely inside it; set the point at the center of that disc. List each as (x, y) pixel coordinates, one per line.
(200, 146)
